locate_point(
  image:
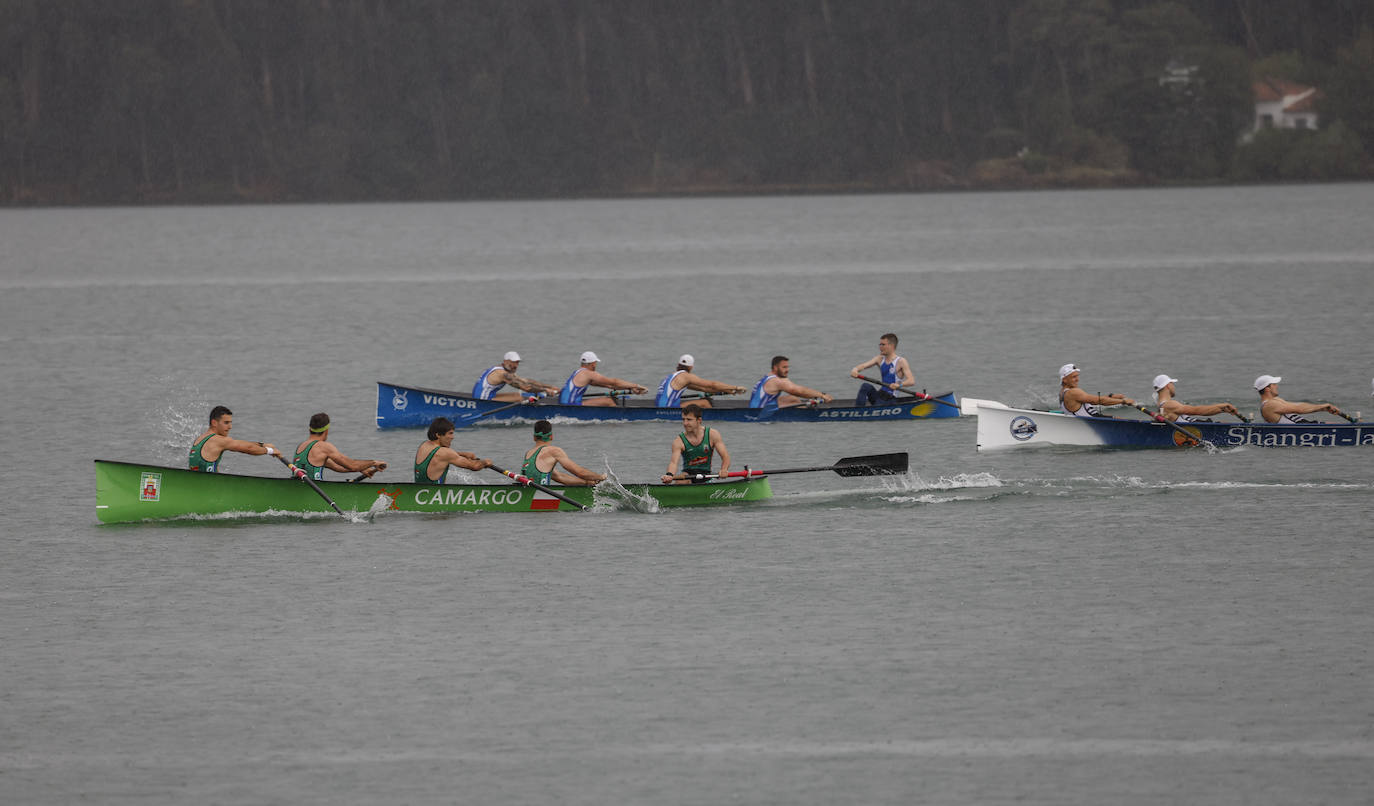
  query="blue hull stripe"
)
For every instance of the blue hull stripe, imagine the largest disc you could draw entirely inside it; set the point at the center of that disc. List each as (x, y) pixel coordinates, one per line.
(414, 407)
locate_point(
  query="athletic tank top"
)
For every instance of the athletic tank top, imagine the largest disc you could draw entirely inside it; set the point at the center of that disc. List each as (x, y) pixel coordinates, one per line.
(302, 461)
(667, 395)
(197, 462)
(697, 458)
(761, 399)
(1085, 410)
(483, 390)
(531, 471)
(571, 395)
(888, 370)
(422, 469)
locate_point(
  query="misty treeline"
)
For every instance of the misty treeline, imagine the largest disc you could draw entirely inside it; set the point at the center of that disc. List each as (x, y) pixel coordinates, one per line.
(207, 100)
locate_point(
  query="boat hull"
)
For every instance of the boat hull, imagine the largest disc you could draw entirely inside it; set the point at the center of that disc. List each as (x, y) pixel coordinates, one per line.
(128, 492)
(415, 407)
(1002, 427)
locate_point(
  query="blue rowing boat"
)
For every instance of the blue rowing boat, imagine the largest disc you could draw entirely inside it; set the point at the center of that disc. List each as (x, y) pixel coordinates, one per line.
(415, 407)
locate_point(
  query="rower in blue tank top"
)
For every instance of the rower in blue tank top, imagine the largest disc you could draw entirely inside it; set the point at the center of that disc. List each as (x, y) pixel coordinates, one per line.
(586, 375)
(774, 391)
(894, 371)
(489, 386)
(671, 388)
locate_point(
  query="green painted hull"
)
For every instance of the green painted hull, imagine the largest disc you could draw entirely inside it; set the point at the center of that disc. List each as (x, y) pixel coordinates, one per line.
(127, 492)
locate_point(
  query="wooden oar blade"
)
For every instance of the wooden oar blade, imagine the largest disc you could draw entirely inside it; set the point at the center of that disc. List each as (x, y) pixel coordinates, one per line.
(882, 464)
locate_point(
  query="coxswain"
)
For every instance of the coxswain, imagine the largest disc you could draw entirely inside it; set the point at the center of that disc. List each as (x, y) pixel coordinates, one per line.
(695, 448)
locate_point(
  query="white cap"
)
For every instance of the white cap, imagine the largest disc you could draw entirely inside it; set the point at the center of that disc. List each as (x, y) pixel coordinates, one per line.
(511, 356)
(1067, 370)
(1162, 381)
(1264, 380)
(687, 360)
(589, 357)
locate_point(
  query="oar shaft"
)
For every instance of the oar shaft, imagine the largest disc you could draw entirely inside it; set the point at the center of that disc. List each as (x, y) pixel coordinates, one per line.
(303, 476)
(529, 482)
(922, 396)
(1160, 418)
(524, 401)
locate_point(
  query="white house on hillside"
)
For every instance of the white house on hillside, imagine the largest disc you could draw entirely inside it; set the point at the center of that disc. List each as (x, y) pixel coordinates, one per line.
(1283, 104)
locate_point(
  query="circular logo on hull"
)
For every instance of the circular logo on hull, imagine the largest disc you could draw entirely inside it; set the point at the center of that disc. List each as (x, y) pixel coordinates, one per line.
(1022, 428)
(1182, 441)
(398, 399)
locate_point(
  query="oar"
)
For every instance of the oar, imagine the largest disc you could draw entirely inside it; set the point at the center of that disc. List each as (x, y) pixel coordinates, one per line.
(529, 482)
(1347, 417)
(922, 396)
(524, 401)
(303, 476)
(612, 393)
(1192, 440)
(882, 464)
(363, 476)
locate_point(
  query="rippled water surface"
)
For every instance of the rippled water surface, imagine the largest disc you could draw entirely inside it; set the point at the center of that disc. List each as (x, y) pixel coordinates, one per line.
(1049, 626)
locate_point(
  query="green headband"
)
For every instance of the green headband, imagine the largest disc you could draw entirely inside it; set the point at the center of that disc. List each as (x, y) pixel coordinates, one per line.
(543, 434)
(320, 430)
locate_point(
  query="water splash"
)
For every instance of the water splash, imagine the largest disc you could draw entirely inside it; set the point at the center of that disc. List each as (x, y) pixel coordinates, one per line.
(611, 495)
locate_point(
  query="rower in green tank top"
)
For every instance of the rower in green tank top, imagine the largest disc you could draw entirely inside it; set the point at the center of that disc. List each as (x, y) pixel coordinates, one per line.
(208, 448)
(317, 453)
(439, 454)
(542, 462)
(695, 448)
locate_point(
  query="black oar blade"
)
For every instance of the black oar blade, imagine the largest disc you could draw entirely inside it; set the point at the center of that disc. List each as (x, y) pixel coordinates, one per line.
(882, 464)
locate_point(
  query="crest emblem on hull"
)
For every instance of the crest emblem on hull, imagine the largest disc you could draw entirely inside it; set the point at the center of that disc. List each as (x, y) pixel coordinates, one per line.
(1022, 428)
(398, 399)
(150, 487)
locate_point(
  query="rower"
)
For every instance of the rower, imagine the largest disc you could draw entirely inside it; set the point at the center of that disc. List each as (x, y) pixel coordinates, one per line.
(695, 447)
(1275, 409)
(671, 388)
(542, 462)
(1177, 411)
(488, 387)
(586, 375)
(1079, 403)
(436, 454)
(775, 391)
(209, 447)
(316, 452)
(895, 371)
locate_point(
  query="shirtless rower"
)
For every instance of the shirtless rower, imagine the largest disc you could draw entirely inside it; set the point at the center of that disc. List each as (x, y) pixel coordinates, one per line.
(671, 388)
(1079, 403)
(1176, 411)
(209, 447)
(488, 387)
(542, 462)
(1275, 409)
(586, 375)
(436, 455)
(775, 391)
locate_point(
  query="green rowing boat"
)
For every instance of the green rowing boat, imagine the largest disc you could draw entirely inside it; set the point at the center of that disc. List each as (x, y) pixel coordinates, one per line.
(126, 492)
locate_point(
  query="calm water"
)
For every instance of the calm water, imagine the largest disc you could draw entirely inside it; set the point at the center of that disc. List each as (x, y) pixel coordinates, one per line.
(1043, 627)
